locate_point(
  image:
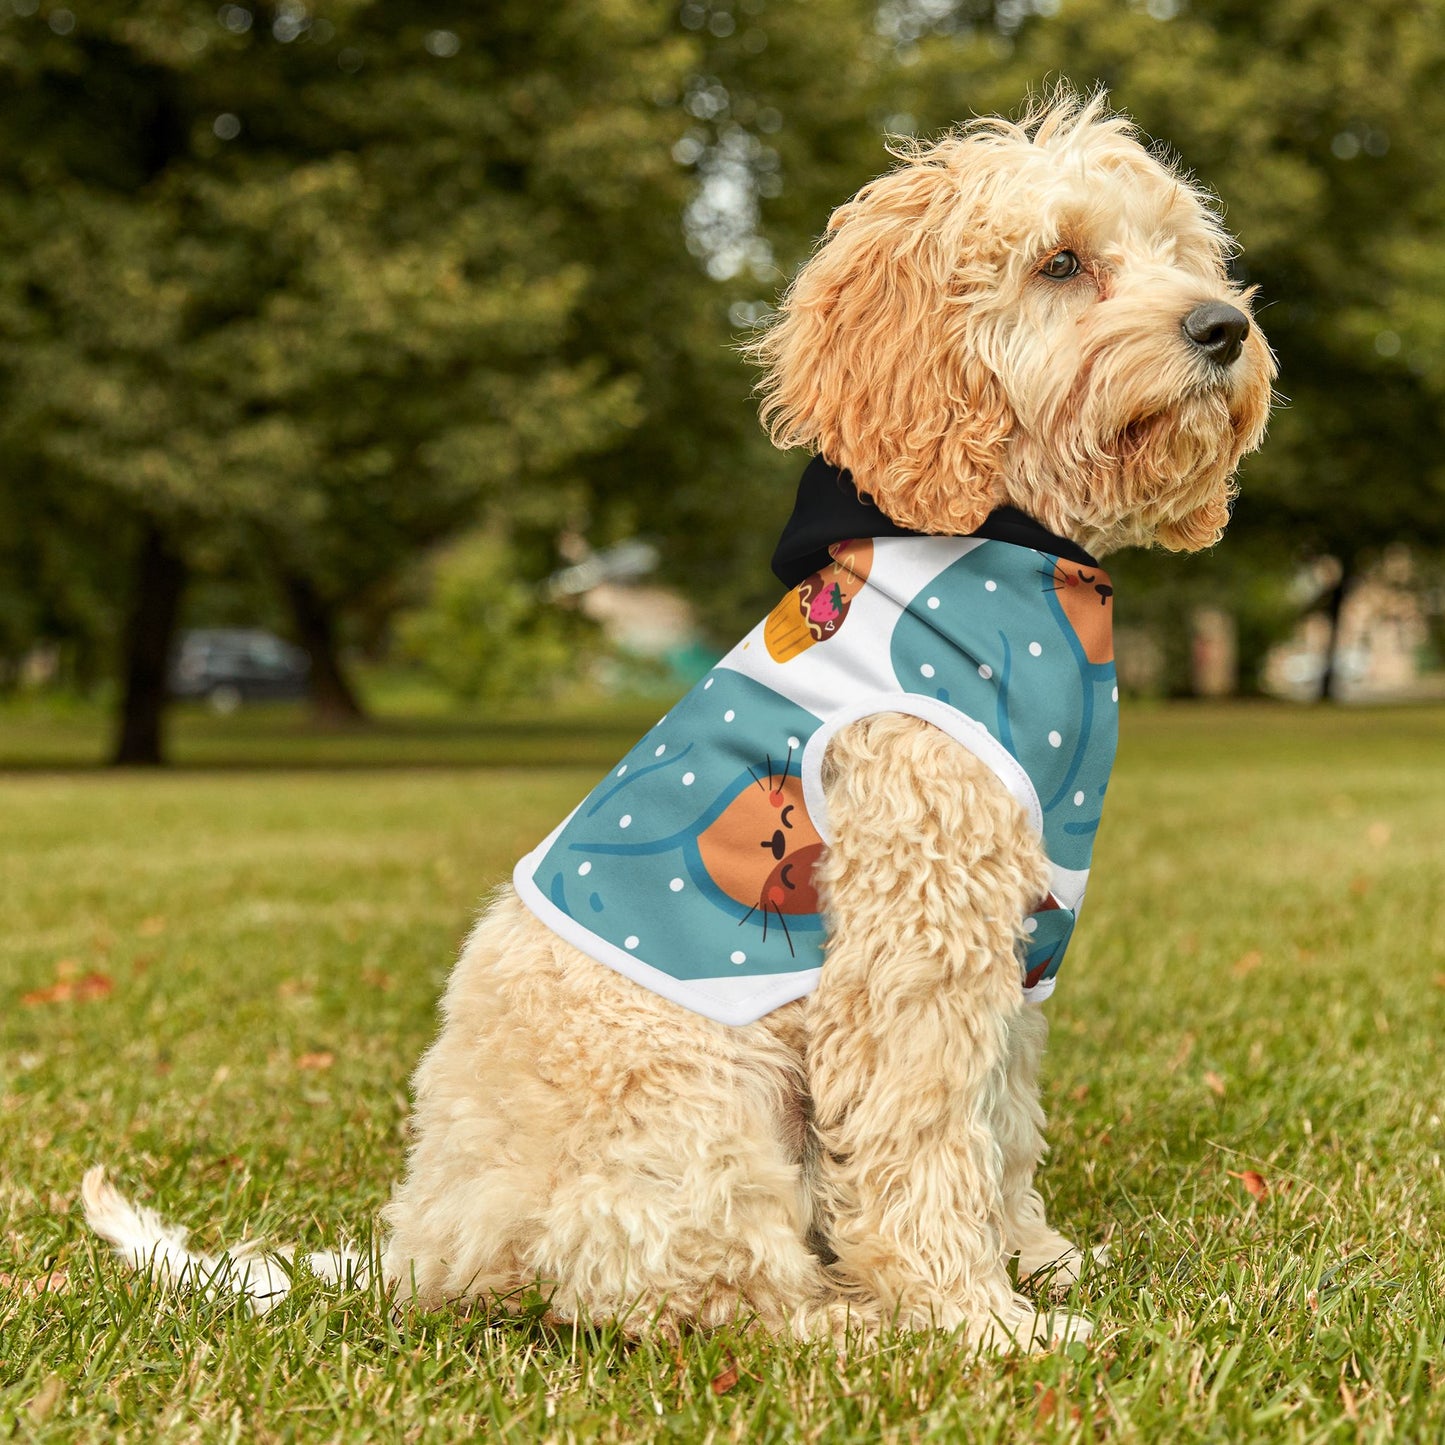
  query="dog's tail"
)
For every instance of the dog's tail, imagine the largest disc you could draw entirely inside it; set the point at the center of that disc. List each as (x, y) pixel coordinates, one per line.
(147, 1243)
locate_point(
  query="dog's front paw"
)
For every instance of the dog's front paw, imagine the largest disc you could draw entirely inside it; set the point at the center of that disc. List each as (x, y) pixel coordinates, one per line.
(1057, 1269)
(1023, 1326)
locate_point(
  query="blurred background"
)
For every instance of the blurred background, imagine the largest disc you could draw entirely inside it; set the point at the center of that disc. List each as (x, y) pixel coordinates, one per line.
(362, 363)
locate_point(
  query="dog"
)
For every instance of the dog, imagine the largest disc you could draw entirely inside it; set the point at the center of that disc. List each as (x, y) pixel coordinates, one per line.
(1015, 352)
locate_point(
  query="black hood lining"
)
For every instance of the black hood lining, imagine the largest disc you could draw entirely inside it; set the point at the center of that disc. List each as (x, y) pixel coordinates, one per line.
(830, 508)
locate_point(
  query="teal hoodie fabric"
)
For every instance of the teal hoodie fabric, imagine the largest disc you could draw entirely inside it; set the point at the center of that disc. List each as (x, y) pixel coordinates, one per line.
(688, 868)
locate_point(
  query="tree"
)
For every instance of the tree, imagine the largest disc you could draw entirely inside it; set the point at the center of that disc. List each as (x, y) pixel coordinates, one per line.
(328, 287)
(293, 284)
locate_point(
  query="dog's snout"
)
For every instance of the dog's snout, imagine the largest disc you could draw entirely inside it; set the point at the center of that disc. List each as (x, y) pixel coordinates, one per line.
(1218, 330)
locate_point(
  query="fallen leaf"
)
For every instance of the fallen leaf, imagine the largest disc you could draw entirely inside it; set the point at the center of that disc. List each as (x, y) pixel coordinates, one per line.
(1254, 1183)
(1080, 1094)
(1247, 963)
(1214, 1083)
(319, 1060)
(377, 978)
(1378, 834)
(722, 1383)
(295, 987)
(1440, 980)
(66, 990)
(56, 1282)
(151, 927)
(1047, 1407)
(56, 993)
(67, 968)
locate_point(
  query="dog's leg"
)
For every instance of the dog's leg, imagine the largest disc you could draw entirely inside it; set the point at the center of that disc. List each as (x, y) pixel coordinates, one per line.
(681, 1199)
(576, 1133)
(485, 1129)
(931, 872)
(1019, 1127)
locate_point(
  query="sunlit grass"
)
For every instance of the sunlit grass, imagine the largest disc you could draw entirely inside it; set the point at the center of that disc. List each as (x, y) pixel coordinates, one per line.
(253, 957)
(409, 724)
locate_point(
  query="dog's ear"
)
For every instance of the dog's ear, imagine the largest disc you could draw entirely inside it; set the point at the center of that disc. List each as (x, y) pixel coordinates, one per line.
(873, 360)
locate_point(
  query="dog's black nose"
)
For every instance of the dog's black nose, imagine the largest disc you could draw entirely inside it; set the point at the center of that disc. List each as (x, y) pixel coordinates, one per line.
(1218, 330)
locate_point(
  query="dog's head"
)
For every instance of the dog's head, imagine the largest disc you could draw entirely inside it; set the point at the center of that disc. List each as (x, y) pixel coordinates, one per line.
(1035, 313)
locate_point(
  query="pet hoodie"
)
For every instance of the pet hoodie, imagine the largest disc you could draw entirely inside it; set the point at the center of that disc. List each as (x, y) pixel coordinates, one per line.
(689, 867)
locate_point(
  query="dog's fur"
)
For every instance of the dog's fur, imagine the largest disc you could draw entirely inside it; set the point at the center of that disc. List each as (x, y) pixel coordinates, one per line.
(864, 1156)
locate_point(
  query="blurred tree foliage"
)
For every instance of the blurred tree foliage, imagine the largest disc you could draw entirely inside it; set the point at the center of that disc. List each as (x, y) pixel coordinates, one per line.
(326, 285)
(484, 633)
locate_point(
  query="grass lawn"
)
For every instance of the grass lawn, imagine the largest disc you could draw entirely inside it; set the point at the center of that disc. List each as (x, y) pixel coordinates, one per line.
(216, 980)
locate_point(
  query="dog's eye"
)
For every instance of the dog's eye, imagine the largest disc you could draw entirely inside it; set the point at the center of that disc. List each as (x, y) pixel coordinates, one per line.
(1060, 266)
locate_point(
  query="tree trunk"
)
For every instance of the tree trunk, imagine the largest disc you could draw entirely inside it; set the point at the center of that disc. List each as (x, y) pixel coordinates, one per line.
(160, 578)
(1329, 676)
(333, 699)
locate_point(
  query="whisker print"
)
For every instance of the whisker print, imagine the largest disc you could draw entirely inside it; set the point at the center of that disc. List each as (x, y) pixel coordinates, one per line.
(758, 780)
(1069, 579)
(789, 763)
(786, 933)
(769, 757)
(750, 913)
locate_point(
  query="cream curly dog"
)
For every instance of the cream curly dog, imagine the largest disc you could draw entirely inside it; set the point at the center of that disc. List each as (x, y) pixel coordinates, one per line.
(1032, 316)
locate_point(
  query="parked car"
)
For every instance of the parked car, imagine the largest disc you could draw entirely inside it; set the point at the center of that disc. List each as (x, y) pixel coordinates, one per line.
(230, 665)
